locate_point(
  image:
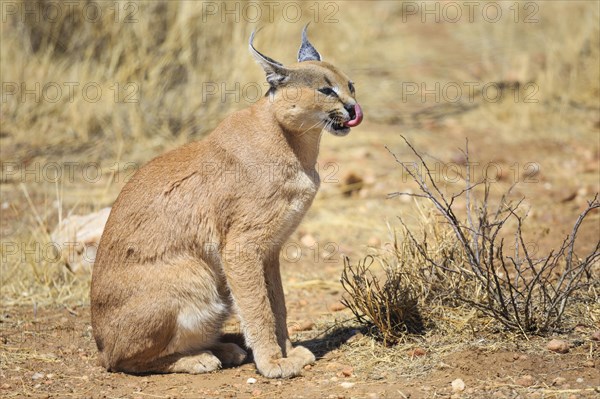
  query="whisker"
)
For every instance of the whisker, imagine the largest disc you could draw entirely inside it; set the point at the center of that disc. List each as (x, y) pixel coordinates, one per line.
(316, 124)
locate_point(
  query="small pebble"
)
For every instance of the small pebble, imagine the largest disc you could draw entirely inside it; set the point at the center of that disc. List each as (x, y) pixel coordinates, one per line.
(303, 326)
(558, 346)
(417, 352)
(596, 335)
(347, 371)
(37, 376)
(558, 381)
(347, 385)
(256, 392)
(525, 381)
(336, 307)
(579, 380)
(251, 380)
(458, 385)
(580, 328)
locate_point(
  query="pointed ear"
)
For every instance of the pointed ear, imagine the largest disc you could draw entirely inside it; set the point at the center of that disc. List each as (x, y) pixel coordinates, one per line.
(277, 74)
(307, 51)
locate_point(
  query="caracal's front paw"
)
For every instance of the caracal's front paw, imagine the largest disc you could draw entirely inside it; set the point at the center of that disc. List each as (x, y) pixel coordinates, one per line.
(289, 366)
(301, 352)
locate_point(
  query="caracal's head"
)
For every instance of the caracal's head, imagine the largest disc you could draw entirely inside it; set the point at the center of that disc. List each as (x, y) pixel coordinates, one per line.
(310, 95)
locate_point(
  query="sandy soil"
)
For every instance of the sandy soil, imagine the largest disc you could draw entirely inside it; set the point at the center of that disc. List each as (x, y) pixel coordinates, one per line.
(51, 354)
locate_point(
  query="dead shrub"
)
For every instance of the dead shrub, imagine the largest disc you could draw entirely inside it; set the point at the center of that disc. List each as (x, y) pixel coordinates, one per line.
(464, 260)
(388, 305)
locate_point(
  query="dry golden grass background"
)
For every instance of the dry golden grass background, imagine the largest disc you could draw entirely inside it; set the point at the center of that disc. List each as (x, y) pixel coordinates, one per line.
(161, 54)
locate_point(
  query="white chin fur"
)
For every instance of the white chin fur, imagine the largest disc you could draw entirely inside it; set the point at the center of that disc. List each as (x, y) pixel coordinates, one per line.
(338, 132)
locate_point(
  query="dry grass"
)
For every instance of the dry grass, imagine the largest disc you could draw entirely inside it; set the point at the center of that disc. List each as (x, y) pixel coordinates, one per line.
(162, 59)
(33, 272)
(171, 50)
(389, 305)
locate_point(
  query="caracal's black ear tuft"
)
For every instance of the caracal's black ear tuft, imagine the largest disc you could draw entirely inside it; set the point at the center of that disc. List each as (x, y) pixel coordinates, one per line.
(307, 51)
(276, 72)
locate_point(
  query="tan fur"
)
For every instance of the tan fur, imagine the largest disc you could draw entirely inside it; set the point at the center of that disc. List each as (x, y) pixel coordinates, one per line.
(196, 234)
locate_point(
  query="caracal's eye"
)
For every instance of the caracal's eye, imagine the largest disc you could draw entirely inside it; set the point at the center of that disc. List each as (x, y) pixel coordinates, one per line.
(328, 91)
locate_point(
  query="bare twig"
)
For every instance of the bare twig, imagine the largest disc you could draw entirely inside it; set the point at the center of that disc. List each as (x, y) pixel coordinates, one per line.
(465, 261)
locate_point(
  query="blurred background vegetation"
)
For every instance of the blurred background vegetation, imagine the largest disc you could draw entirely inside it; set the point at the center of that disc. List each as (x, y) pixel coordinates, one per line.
(152, 60)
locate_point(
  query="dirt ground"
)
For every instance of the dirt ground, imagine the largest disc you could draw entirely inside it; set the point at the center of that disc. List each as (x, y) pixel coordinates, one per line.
(52, 355)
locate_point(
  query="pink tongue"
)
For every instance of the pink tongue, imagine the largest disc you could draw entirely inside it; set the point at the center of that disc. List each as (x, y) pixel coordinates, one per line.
(358, 119)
